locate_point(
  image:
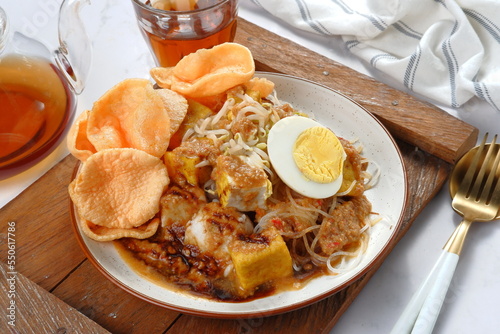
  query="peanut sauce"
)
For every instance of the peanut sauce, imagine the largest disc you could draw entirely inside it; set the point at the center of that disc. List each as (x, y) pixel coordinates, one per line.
(155, 276)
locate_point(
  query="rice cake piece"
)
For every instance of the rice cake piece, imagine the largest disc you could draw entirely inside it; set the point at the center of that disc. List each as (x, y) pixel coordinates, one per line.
(260, 258)
(213, 228)
(179, 205)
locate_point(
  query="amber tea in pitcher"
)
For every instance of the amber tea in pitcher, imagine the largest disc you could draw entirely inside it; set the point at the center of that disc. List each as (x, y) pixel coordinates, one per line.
(35, 107)
(38, 87)
(175, 28)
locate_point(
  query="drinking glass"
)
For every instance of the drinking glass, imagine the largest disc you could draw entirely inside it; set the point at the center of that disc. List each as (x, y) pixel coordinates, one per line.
(175, 28)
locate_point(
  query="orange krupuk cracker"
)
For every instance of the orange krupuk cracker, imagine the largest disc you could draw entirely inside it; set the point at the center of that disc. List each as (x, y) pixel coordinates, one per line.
(131, 114)
(119, 188)
(101, 233)
(78, 143)
(208, 72)
(177, 107)
(262, 85)
(162, 76)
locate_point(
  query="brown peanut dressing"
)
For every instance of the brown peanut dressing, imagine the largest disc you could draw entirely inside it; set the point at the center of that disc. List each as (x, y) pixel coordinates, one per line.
(296, 282)
(242, 172)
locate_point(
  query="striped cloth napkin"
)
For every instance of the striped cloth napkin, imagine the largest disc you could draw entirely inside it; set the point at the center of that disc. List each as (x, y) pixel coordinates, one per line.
(445, 50)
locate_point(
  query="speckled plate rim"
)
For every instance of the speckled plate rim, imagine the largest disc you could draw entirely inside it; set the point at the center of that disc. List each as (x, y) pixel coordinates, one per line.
(307, 96)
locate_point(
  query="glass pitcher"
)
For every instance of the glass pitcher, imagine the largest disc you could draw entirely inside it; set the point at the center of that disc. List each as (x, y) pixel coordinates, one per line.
(38, 88)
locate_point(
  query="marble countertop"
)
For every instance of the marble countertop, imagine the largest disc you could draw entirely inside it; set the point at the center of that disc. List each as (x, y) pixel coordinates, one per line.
(472, 302)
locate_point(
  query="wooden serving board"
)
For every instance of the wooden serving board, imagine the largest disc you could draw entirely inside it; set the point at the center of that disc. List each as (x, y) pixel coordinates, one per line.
(47, 252)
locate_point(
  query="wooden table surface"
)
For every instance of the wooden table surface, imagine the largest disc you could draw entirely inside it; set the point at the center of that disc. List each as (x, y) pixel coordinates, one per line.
(54, 288)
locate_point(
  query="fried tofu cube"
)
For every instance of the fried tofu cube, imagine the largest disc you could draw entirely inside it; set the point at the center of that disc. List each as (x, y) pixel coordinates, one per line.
(241, 185)
(260, 258)
(182, 168)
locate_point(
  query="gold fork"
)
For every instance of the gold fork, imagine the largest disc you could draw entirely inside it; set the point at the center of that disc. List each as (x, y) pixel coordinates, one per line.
(476, 198)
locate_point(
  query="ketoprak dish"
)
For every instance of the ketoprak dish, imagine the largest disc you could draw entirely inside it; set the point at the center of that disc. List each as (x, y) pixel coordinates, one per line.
(245, 197)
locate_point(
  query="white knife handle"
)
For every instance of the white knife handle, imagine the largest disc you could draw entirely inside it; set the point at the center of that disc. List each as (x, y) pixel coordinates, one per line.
(407, 319)
(432, 304)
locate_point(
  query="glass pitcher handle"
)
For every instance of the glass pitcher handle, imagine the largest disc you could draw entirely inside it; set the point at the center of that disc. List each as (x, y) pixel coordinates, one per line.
(73, 57)
(3, 29)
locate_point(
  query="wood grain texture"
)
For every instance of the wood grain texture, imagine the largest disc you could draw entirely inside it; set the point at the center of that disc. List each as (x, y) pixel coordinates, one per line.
(37, 311)
(414, 121)
(113, 308)
(43, 230)
(49, 255)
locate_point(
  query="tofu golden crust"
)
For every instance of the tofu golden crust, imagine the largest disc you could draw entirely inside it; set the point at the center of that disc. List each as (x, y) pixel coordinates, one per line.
(183, 163)
(203, 148)
(260, 258)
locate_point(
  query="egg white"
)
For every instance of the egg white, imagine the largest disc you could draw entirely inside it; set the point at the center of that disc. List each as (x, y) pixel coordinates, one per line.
(280, 143)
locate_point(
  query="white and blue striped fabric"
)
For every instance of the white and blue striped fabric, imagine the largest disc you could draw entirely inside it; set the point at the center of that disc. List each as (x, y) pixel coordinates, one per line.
(446, 50)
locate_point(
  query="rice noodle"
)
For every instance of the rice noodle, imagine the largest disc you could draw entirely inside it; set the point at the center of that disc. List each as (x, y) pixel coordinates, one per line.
(310, 250)
(304, 208)
(296, 235)
(372, 178)
(343, 266)
(228, 270)
(364, 228)
(202, 164)
(355, 257)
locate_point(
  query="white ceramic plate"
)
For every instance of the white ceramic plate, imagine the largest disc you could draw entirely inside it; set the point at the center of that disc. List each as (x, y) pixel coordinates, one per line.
(348, 120)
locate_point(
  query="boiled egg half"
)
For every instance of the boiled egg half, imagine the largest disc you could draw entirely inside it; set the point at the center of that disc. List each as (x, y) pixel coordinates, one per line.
(307, 156)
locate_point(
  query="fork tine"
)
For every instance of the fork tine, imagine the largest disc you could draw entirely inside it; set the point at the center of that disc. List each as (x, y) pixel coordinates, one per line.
(491, 176)
(465, 185)
(476, 187)
(495, 195)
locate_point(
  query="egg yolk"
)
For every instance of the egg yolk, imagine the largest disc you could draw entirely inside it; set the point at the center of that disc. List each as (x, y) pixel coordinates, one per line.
(319, 155)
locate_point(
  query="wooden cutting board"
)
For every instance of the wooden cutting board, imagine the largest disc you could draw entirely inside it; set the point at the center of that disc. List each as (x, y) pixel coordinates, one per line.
(47, 252)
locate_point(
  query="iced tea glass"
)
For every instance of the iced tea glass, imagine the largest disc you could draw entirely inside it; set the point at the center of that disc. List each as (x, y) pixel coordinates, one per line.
(175, 28)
